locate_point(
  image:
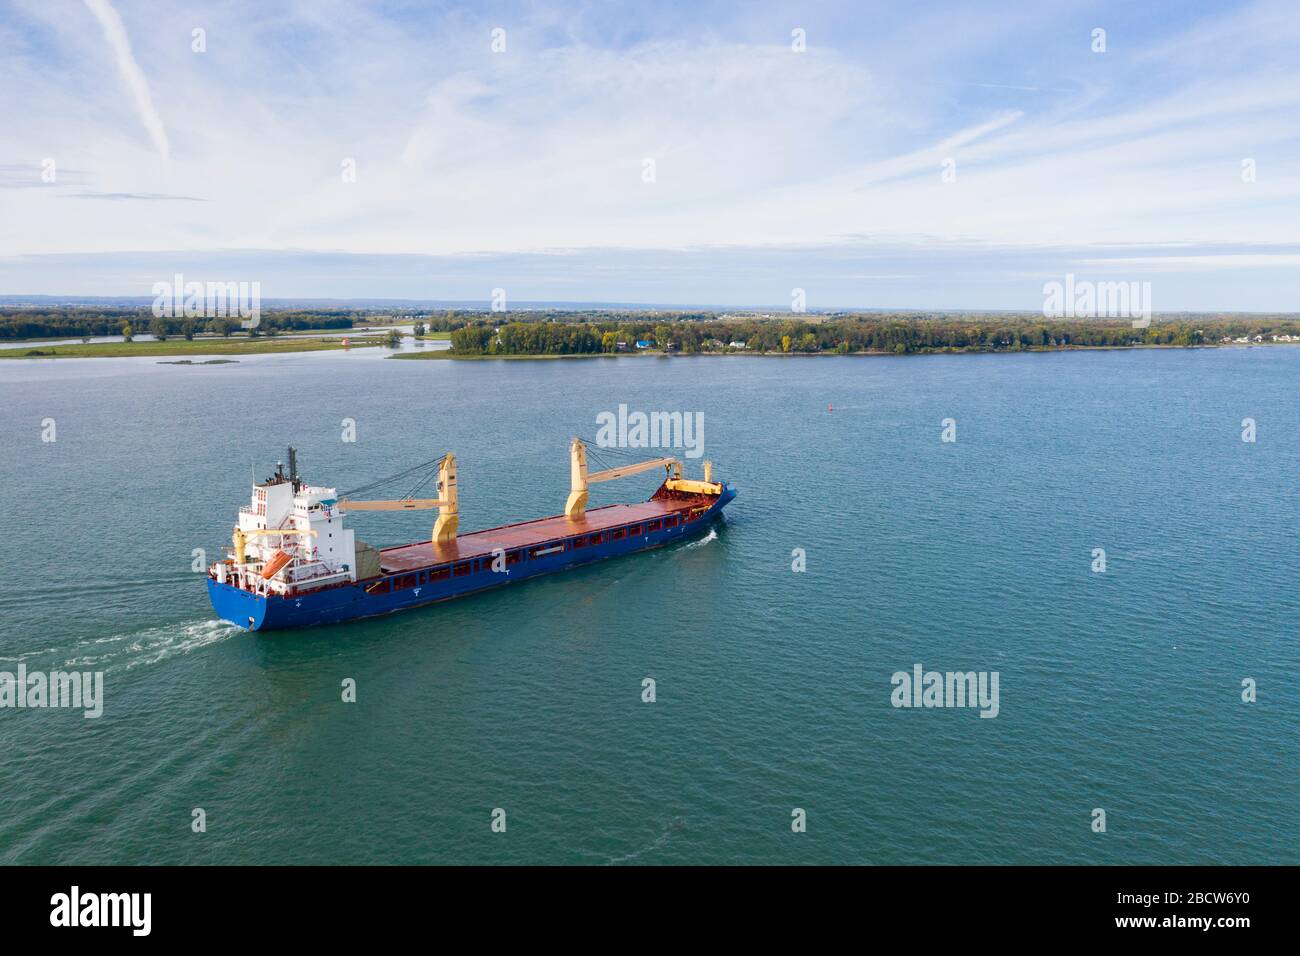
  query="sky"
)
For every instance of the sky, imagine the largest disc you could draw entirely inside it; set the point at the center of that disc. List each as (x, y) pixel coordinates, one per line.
(874, 155)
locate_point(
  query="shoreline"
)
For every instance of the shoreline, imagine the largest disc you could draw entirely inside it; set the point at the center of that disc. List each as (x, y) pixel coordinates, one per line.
(448, 355)
(285, 342)
(153, 349)
(288, 345)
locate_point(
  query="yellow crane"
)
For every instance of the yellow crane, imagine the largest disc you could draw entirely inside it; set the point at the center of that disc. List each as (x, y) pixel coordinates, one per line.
(447, 503)
(580, 478)
(692, 487)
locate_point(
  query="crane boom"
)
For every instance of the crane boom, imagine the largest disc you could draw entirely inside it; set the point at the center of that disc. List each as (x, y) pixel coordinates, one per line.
(609, 474)
(403, 504)
(444, 528)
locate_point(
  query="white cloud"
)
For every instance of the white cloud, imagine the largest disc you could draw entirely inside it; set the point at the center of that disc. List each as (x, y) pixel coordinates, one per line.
(1249, 260)
(540, 149)
(132, 75)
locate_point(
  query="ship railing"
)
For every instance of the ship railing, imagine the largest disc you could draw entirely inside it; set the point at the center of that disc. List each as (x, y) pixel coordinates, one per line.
(302, 573)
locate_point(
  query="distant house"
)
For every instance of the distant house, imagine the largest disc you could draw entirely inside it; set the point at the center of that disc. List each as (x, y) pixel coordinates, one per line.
(643, 344)
(735, 345)
(620, 346)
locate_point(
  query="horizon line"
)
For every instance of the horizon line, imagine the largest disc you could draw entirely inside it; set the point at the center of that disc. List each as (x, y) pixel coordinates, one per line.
(539, 305)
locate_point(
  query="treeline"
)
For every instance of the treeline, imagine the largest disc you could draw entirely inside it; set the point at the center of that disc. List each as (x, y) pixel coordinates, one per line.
(85, 323)
(63, 323)
(579, 332)
(843, 335)
(71, 322)
(531, 338)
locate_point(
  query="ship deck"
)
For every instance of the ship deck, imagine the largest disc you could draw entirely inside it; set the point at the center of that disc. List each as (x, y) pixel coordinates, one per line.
(410, 557)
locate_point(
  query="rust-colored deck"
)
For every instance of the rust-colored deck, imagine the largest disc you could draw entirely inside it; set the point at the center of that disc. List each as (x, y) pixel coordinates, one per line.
(409, 557)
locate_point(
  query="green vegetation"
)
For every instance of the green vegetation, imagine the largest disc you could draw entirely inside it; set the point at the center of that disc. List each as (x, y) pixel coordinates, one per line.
(896, 334)
(72, 323)
(527, 338)
(564, 333)
(234, 346)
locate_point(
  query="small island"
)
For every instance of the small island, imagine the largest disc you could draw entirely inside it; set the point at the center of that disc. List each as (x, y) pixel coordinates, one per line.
(601, 334)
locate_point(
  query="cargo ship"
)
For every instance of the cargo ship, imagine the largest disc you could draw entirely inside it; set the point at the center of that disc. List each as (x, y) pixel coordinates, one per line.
(293, 563)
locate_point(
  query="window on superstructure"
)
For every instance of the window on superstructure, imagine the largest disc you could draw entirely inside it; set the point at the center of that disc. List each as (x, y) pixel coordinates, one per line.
(652, 526)
(462, 569)
(618, 534)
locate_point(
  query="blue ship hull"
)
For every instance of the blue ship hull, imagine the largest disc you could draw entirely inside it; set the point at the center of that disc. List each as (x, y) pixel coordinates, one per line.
(399, 590)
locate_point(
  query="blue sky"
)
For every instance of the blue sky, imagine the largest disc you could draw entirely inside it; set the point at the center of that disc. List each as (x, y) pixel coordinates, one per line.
(526, 169)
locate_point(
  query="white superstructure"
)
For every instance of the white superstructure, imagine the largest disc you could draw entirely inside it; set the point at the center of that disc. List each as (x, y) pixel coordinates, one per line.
(291, 535)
